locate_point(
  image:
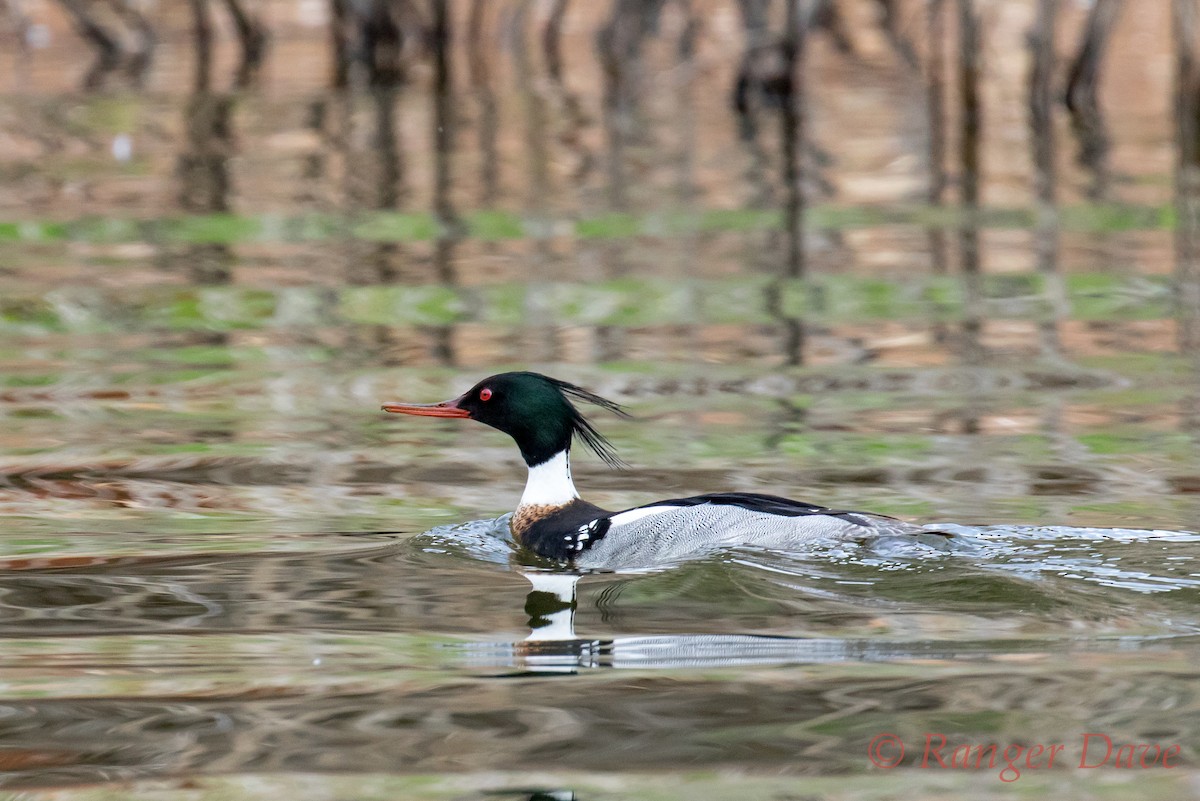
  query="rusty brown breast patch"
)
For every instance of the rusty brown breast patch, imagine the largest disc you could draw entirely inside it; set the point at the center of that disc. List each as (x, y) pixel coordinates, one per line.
(525, 516)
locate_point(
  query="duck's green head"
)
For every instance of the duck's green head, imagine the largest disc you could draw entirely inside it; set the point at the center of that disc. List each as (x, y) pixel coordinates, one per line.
(534, 409)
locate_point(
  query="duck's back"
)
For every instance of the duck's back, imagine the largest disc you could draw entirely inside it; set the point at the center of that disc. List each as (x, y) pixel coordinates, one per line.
(683, 527)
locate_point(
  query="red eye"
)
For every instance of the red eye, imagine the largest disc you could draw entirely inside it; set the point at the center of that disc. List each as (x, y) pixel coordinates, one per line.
(485, 394)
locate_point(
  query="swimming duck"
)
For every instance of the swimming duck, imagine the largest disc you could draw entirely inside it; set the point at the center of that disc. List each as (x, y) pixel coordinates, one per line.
(551, 520)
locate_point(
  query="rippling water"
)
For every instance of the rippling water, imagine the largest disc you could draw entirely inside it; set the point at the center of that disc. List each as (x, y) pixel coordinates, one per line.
(225, 574)
(381, 653)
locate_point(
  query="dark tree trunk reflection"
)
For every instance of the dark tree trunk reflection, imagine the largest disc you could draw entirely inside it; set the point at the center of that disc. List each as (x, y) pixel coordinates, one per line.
(203, 174)
(970, 125)
(1186, 31)
(1082, 99)
(1042, 137)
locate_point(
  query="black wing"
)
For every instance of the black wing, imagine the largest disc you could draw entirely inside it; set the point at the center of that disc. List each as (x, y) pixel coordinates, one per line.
(755, 502)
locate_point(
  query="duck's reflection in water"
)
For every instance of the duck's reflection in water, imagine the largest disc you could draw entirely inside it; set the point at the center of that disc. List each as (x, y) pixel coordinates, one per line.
(554, 647)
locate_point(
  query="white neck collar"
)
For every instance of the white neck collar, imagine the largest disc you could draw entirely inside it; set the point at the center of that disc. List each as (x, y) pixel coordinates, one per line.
(549, 483)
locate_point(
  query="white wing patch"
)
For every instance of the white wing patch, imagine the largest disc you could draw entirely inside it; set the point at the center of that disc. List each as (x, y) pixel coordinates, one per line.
(625, 518)
(578, 540)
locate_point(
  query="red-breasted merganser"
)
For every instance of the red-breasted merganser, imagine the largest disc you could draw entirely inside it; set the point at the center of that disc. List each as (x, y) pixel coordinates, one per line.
(554, 522)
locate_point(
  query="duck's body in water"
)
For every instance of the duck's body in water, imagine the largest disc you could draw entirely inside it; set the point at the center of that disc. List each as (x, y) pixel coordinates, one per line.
(554, 522)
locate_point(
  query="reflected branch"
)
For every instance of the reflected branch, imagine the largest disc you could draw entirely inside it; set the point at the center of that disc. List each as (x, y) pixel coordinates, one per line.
(202, 37)
(619, 43)
(1041, 122)
(103, 42)
(893, 26)
(142, 55)
(339, 40)
(552, 40)
(794, 333)
(1186, 32)
(203, 172)
(792, 131)
(533, 106)
(970, 122)
(760, 84)
(574, 118)
(444, 123)
(376, 36)
(935, 112)
(253, 37)
(388, 185)
(1083, 80)
(478, 69)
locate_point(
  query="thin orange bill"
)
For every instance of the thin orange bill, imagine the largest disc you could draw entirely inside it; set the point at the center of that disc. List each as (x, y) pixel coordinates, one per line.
(443, 409)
